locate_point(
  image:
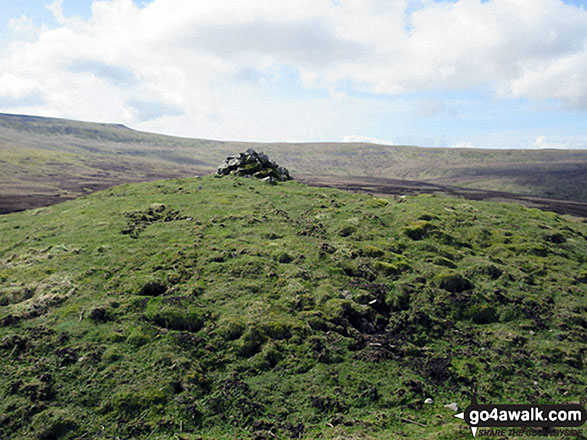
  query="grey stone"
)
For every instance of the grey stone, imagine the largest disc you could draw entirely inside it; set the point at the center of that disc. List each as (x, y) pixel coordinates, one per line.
(223, 169)
(264, 159)
(452, 406)
(250, 163)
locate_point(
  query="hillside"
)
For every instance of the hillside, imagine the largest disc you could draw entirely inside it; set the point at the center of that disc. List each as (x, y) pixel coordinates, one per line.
(46, 160)
(223, 308)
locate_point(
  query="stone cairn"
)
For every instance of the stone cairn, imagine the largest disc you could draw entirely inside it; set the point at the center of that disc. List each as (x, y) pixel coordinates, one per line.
(253, 164)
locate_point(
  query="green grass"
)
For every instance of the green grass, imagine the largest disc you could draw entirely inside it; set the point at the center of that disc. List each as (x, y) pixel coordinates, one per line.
(227, 308)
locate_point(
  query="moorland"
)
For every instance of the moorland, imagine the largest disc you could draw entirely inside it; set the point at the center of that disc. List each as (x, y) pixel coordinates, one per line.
(46, 160)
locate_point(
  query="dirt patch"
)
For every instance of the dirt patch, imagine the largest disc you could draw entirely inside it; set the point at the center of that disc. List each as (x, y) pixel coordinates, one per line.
(373, 185)
(382, 186)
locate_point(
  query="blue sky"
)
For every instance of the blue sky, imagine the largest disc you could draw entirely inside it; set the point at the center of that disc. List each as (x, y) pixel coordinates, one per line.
(459, 73)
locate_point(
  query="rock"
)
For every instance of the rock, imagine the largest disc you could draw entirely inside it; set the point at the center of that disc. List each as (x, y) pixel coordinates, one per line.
(264, 159)
(253, 164)
(452, 406)
(223, 169)
(284, 173)
(428, 401)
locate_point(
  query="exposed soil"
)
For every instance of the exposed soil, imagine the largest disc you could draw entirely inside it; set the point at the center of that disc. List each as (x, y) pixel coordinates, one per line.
(382, 186)
(71, 188)
(373, 185)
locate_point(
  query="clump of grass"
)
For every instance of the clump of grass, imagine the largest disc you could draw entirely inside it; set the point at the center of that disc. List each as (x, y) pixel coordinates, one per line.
(372, 251)
(131, 402)
(277, 329)
(232, 329)
(138, 336)
(394, 268)
(452, 281)
(481, 314)
(443, 261)
(53, 423)
(418, 230)
(174, 313)
(251, 342)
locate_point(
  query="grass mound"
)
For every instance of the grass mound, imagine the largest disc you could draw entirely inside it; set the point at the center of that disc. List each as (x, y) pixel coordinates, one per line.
(227, 308)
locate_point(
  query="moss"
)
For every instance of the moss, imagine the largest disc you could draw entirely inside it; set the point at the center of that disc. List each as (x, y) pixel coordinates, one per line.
(315, 320)
(399, 298)
(133, 401)
(482, 314)
(442, 261)
(340, 311)
(137, 336)
(249, 168)
(174, 315)
(277, 329)
(378, 203)
(394, 268)
(268, 357)
(530, 248)
(372, 251)
(452, 281)
(360, 269)
(113, 353)
(418, 230)
(53, 423)
(251, 342)
(232, 329)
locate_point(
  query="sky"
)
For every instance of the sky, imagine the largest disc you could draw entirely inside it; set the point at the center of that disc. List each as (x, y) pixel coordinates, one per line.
(434, 73)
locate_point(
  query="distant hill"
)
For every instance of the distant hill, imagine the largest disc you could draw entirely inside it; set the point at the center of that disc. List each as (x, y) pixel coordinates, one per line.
(225, 308)
(44, 160)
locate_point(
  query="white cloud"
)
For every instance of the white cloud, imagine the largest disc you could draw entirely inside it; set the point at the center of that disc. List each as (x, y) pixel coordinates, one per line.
(465, 144)
(56, 8)
(544, 142)
(564, 80)
(540, 142)
(23, 28)
(205, 63)
(19, 92)
(360, 139)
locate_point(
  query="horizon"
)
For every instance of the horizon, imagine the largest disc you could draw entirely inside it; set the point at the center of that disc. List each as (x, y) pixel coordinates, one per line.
(310, 142)
(429, 73)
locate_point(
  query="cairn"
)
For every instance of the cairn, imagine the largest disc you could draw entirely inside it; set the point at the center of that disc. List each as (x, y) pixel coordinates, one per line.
(253, 164)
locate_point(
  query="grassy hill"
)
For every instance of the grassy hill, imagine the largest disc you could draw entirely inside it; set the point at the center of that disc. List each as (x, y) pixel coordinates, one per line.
(208, 308)
(44, 160)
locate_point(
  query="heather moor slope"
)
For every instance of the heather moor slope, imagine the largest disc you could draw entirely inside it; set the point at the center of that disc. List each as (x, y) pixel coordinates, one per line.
(223, 308)
(47, 160)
